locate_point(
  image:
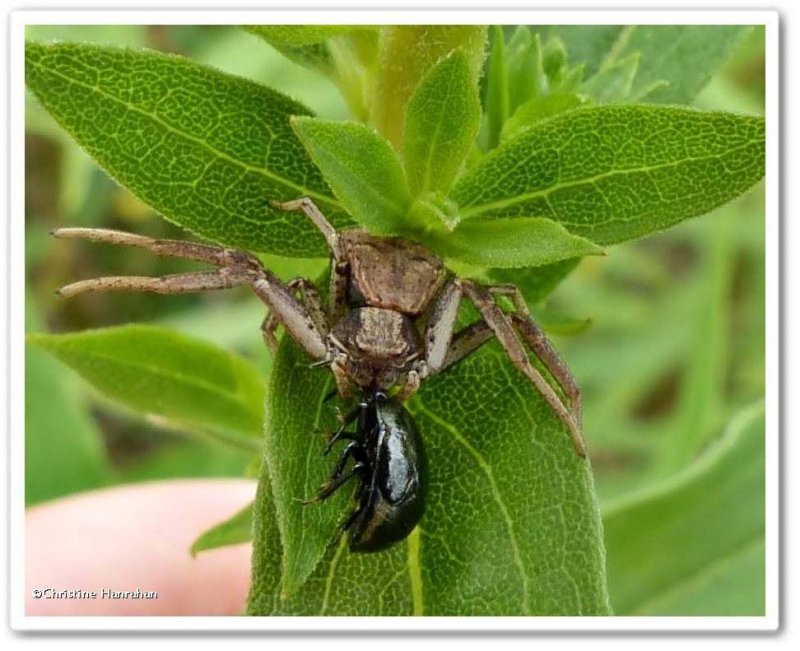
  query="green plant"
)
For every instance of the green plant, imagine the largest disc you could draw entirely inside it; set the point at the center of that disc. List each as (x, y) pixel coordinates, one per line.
(517, 166)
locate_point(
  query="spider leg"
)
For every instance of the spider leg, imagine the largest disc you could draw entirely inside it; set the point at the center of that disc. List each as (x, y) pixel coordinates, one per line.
(441, 325)
(339, 267)
(500, 324)
(236, 268)
(306, 206)
(173, 284)
(218, 256)
(466, 341)
(535, 337)
(311, 301)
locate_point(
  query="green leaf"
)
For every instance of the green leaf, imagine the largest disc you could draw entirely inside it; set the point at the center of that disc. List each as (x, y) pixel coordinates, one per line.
(588, 44)
(205, 149)
(310, 46)
(700, 410)
(405, 54)
(188, 458)
(497, 90)
(303, 34)
(235, 530)
(158, 371)
(538, 109)
(508, 243)
(554, 61)
(362, 168)
(685, 56)
(677, 61)
(295, 418)
(615, 82)
(511, 524)
(524, 66)
(442, 121)
(695, 545)
(64, 450)
(536, 283)
(615, 173)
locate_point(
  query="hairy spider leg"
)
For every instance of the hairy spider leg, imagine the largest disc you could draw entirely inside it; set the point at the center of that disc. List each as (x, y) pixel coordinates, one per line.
(535, 337)
(339, 268)
(311, 300)
(444, 347)
(236, 268)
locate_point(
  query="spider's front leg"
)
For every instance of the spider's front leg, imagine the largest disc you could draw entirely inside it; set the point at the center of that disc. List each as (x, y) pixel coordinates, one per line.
(235, 268)
(340, 269)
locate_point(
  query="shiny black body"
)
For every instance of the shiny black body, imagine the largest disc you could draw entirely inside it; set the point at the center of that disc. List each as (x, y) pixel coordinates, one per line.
(389, 461)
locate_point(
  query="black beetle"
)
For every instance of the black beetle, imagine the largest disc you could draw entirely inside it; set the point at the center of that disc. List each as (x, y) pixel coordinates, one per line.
(389, 460)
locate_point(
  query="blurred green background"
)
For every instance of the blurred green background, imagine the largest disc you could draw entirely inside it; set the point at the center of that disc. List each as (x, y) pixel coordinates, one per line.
(671, 363)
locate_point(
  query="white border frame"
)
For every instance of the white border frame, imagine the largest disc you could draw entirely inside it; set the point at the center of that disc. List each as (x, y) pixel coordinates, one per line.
(21, 622)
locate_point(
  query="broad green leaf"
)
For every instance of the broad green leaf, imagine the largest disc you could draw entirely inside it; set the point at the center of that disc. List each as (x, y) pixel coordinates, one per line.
(685, 56)
(157, 371)
(63, 447)
(681, 547)
(507, 243)
(490, 542)
(615, 173)
(362, 168)
(235, 530)
(303, 34)
(536, 283)
(614, 83)
(442, 121)
(676, 60)
(405, 54)
(205, 149)
(497, 90)
(295, 419)
(538, 109)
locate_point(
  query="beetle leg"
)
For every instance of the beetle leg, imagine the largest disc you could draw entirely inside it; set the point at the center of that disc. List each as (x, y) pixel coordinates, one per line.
(501, 326)
(338, 477)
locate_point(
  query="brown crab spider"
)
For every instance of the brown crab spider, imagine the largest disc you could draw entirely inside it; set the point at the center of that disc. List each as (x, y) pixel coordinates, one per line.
(391, 316)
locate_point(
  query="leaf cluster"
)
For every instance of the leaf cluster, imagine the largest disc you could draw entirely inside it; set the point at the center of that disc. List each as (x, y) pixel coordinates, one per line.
(512, 154)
